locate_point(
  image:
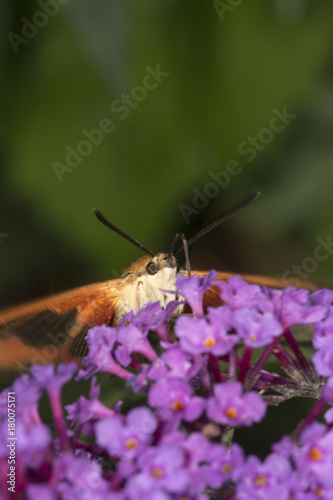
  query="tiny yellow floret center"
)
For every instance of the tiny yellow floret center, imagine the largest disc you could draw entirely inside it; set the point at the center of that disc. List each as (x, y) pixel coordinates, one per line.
(260, 480)
(209, 342)
(226, 468)
(231, 412)
(156, 472)
(316, 454)
(177, 405)
(131, 443)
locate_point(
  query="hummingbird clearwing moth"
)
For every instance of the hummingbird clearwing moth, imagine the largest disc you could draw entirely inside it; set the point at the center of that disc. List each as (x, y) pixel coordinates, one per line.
(53, 329)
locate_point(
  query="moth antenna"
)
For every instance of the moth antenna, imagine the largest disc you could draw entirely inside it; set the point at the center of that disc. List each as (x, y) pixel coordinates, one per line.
(222, 219)
(185, 247)
(111, 226)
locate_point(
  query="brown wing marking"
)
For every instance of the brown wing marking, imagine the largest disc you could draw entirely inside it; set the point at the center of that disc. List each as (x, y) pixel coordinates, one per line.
(53, 330)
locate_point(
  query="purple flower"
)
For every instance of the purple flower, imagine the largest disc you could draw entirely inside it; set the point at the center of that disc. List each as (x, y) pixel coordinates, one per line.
(174, 398)
(32, 443)
(300, 488)
(222, 465)
(286, 447)
(126, 438)
(53, 378)
(323, 330)
(27, 395)
(140, 381)
(230, 407)
(328, 396)
(193, 289)
(260, 481)
(255, 328)
(322, 297)
(323, 359)
(46, 492)
(154, 318)
(201, 335)
(79, 478)
(196, 448)
(138, 488)
(131, 340)
(173, 363)
(162, 468)
(86, 412)
(102, 340)
(315, 457)
(292, 307)
(238, 293)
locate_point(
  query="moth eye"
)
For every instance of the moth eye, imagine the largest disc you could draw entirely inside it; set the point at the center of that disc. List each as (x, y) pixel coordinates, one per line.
(151, 268)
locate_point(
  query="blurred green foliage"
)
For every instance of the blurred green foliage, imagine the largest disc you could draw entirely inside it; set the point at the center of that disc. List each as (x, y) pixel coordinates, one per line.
(227, 70)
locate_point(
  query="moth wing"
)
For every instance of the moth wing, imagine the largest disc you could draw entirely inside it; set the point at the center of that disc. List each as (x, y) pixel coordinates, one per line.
(53, 329)
(212, 296)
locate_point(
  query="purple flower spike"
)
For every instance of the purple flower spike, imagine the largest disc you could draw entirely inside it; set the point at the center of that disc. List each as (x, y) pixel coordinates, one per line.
(174, 398)
(101, 341)
(193, 289)
(230, 407)
(254, 328)
(198, 336)
(127, 439)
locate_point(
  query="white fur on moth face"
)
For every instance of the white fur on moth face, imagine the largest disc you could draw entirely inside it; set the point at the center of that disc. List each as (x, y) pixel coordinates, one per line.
(148, 288)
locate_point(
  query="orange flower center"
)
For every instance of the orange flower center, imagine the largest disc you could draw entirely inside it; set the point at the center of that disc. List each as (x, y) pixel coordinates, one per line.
(177, 405)
(131, 443)
(157, 472)
(260, 480)
(209, 342)
(316, 454)
(226, 468)
(231, 412)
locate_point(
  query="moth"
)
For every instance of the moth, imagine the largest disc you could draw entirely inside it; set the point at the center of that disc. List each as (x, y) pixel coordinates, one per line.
(53, 329)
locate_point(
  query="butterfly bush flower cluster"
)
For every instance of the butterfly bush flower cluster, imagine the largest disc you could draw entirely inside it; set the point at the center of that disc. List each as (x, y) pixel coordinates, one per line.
(200, 375)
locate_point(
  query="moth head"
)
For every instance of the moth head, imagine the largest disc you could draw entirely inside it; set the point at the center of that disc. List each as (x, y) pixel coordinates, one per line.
(149, 279)
(153, 266)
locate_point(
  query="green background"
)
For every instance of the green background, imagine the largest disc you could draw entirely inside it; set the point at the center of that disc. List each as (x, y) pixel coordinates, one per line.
(229, 65)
